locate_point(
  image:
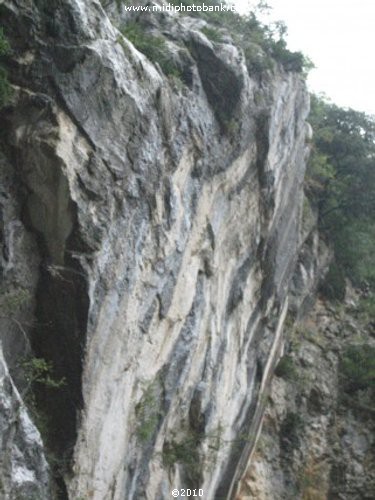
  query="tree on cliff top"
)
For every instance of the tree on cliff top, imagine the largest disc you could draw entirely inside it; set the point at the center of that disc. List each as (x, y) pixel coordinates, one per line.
(341, 182)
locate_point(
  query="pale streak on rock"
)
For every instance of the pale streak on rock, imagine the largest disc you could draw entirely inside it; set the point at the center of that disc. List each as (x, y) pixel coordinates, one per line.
(177, 235)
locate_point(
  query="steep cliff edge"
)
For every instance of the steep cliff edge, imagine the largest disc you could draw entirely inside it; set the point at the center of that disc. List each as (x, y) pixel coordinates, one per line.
(155, 222)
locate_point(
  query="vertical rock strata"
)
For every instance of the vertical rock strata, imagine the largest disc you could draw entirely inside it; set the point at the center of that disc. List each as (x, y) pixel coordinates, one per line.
(317, 440)
(166, 219)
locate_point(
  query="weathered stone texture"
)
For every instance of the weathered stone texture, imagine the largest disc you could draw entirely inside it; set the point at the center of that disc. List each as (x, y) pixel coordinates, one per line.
(317, 440)
(167, 219)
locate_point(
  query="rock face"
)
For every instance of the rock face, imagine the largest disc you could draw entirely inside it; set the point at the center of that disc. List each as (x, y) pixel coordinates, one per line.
(23, 468)
(317, 440)
(163, 220)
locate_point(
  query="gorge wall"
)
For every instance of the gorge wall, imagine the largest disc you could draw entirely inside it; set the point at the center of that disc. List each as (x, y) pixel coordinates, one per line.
(153, 231)
(317, 440)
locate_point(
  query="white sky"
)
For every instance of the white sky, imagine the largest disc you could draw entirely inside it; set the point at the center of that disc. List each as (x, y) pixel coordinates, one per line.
(339, 37)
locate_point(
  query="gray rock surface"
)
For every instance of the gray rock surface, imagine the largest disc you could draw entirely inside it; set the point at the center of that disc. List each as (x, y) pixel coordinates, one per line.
(317, 440)
(164, 224)
(24, 473)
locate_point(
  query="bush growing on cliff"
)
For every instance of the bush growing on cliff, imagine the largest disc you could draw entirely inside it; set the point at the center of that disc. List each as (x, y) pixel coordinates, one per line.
(152, 46)
(212, 34)
(4, 45)
(184, 452)
(358, 368)
(333, 287)
(5, 89)
(13, 301)
(355, 250)
(366, 307)
(290, 430)
(248, 31)
(148, 412)
(40, 371)
(262, 44)
(286, 368)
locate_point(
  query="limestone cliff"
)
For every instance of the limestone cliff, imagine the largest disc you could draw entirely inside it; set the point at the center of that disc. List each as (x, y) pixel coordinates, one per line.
(317, 440)
(155, 223)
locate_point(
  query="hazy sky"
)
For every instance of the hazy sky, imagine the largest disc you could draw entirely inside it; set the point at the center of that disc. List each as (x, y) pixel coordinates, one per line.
(339, 37)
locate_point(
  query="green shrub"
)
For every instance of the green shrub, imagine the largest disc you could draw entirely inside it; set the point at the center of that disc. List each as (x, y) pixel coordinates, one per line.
(13, 301)
(4, 44)
(148, 412)
(366, 307)
(231, 127)
(186, 453)
(262, 44)
(5, 88)
(291, 61)
(333, 287)
(355, 249)
(358, 368)
(286, 368)
(40, 371)
(147, 427)
(290, 429)
(152, 46)
(257, 60)
(309, 479)
(212, 34)
(247, 31)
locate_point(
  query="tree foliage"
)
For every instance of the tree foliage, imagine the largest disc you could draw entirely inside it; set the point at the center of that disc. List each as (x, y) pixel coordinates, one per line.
(341, 183)
(263, 44)
(358, 368)
(152, 46)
